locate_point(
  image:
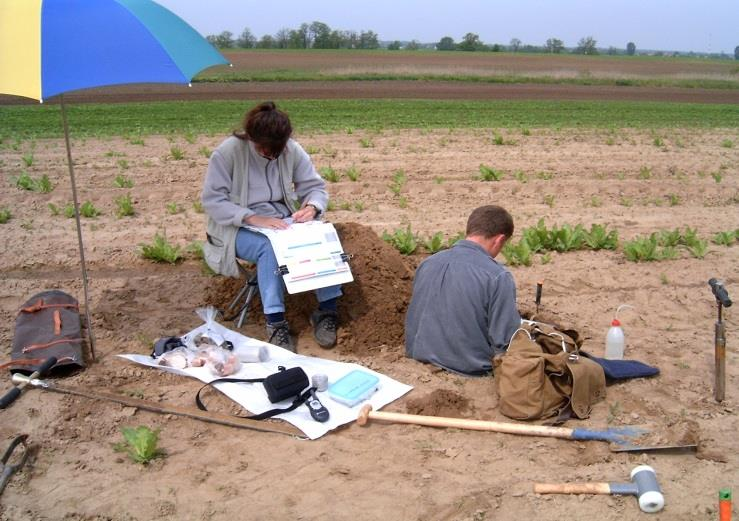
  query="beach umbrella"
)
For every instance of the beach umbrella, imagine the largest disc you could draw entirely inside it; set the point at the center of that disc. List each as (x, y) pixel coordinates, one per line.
(49, 47)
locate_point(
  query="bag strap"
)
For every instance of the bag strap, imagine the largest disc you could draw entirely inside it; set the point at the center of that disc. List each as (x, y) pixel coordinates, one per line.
(40, 304)
(36, 347)
(299, 400)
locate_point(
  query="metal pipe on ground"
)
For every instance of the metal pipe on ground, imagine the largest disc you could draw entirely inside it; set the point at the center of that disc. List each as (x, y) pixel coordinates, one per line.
(195, 414)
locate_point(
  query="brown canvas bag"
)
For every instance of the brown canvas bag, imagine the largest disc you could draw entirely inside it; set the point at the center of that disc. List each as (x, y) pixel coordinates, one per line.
(48, 324)
(542, 375)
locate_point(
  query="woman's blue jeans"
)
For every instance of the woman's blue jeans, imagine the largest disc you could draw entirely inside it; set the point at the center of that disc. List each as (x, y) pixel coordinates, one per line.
(255, 247)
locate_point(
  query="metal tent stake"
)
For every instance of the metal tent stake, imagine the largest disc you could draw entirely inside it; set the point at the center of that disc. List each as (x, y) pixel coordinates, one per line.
(88, 318)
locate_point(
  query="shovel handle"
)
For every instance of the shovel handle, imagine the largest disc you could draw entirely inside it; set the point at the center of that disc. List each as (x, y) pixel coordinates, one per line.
(15, 392)
(366, 413)
(572, 488)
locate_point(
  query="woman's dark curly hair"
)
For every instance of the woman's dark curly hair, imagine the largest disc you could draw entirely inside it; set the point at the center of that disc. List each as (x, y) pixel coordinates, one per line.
(268, 127)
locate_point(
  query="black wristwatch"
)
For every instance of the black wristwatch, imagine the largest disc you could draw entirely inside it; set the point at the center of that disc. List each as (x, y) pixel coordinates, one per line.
(317, 209)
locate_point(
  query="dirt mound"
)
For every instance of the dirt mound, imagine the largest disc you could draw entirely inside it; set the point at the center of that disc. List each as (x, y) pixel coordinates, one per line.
(441, 402)
(372, 310)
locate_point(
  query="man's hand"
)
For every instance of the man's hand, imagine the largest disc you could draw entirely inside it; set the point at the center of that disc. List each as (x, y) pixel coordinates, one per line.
(272, 223)
(305, 214)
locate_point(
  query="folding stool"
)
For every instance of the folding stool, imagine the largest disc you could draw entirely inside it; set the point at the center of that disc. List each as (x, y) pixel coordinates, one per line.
(239, 307)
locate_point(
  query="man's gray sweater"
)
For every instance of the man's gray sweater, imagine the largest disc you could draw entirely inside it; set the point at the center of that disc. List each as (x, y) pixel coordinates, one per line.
(463, 310)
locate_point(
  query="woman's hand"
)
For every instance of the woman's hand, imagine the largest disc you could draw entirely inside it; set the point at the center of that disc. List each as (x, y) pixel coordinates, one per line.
(272, 223)
(305, 214)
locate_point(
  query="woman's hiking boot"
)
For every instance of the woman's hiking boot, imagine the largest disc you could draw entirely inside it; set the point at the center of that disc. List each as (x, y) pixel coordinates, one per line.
(324, 327)
(278, 333)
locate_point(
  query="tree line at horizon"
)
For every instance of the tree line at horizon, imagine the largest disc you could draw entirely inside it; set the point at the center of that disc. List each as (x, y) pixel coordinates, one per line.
(318, 35)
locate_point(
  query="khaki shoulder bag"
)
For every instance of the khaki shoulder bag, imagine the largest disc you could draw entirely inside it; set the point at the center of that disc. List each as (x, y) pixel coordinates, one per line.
(542, 375)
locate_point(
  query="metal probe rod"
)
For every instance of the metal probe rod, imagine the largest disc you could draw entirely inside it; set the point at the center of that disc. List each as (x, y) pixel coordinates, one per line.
(722, 300)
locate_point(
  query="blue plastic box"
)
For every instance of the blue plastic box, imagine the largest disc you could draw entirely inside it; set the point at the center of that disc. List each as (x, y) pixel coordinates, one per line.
(354, 388)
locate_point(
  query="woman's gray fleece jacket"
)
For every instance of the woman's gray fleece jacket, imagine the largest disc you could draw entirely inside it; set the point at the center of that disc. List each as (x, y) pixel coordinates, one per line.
(240, 183)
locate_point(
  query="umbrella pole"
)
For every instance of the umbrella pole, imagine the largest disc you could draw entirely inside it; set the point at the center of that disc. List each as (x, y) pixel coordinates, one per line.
(90, 334)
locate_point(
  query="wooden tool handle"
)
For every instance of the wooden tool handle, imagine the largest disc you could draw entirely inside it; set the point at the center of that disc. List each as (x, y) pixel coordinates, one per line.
(366, 413)
(572, 488)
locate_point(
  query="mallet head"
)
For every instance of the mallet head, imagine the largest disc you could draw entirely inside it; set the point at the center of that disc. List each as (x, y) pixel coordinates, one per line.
(648, 492)
(363, 416)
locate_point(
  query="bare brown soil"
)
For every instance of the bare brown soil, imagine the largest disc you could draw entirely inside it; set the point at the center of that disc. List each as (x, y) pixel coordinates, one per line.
(387, 89)
(381, 471)
(483, 63)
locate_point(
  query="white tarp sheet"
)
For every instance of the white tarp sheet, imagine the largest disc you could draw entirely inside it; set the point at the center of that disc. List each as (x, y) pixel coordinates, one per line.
(253, 397)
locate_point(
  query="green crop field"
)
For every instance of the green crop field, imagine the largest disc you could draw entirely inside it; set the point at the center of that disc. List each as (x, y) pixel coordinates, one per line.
(86, 120)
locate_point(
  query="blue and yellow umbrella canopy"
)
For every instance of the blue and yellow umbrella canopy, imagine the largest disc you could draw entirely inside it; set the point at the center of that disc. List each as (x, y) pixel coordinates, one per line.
(48, 47)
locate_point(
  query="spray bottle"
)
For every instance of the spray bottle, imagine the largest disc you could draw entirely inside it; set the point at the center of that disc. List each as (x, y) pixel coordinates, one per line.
(615, 339)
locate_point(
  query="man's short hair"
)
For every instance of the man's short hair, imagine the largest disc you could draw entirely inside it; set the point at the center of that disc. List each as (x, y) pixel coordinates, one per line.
(488, 221)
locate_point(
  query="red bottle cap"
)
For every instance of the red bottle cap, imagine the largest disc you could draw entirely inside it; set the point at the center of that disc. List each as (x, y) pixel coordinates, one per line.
(615, 322)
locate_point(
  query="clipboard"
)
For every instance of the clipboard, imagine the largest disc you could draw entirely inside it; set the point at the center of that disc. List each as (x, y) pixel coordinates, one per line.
(309, 255)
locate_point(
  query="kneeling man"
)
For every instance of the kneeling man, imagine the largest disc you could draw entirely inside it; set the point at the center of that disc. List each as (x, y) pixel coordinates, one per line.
(463, 308)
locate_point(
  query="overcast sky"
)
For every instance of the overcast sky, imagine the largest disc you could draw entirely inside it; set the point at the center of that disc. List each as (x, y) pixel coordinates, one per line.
(679, 25)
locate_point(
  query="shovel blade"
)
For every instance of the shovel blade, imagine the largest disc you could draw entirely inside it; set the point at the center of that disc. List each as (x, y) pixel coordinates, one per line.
(619, 447)
(678, 437)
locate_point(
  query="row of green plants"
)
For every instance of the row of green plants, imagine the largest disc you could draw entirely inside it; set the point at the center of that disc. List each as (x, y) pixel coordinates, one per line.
(357, 206)
(175, 153)
(665, 244)
(43, 184)
(28, 159)
(332, 175)
(660, 245)
(407, 242)
(124, 208)
(488, 173)
(162, 251)
(542, 240)
(218, 116)
(657, 246)
(124, 204)
(26, 182)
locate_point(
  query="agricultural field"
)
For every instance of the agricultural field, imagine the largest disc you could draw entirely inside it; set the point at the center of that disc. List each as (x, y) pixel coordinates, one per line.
(341, 74)
(261, 64)
(614, 203)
